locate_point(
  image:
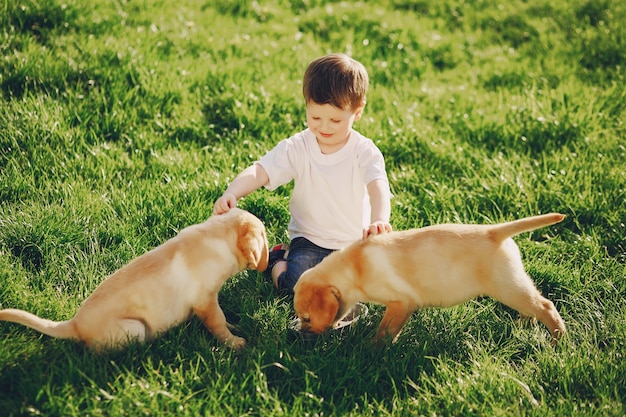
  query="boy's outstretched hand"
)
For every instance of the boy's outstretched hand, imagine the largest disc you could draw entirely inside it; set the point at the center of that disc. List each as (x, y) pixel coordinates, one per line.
(225, 203)
(376, 228)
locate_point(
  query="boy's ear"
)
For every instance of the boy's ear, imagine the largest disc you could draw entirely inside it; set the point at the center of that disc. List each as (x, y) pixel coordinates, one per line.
(359, 111)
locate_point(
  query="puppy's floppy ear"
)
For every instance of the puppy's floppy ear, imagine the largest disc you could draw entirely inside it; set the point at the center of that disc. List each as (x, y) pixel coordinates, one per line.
(252, 242)
(324, 307)
(261, 258)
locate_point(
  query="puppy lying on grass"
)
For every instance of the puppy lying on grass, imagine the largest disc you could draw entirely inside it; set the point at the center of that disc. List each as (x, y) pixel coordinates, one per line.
(165, 286)
(441, 266)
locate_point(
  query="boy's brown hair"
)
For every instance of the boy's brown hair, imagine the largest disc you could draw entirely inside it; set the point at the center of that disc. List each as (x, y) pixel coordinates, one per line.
(336, 79)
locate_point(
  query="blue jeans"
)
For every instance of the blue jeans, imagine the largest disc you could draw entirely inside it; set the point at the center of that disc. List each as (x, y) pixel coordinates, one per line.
(303, 255)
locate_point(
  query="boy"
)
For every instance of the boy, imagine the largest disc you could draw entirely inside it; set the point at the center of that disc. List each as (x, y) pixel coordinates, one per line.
(341, 192)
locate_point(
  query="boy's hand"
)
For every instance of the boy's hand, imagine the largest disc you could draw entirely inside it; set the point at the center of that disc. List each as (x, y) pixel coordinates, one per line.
(224, 203)
(376, 228)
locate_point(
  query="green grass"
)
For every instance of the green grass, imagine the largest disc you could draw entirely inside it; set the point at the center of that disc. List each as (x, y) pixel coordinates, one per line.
(122, 122)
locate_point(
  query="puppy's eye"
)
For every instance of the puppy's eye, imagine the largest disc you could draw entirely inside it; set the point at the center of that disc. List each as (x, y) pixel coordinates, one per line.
(306, 319)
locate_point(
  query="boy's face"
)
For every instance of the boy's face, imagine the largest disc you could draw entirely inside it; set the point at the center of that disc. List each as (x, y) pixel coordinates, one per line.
(331, 125)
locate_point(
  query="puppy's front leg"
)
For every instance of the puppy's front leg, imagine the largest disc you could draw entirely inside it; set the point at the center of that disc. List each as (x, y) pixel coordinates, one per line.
(396, 315)
(213, 318)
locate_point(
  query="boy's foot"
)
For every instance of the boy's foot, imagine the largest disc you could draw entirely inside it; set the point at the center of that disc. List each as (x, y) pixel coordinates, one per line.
(359, 310)
(277, 254)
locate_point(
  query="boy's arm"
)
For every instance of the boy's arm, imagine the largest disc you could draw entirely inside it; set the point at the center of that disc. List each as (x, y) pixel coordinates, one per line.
(380, 200)
(250, 179)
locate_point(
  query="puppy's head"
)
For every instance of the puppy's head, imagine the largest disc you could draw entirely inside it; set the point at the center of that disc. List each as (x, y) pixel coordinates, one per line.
(252, 242)
(317, 304)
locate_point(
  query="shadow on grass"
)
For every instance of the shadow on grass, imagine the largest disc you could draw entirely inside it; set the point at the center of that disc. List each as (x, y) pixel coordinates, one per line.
(337, 373)
(62, 377)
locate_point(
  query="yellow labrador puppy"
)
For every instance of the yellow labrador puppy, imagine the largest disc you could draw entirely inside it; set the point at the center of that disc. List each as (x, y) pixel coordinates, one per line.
(165, 286)
(441, 266)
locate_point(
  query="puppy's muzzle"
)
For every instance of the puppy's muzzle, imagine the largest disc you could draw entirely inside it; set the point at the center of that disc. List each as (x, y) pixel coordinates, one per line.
(304, 325)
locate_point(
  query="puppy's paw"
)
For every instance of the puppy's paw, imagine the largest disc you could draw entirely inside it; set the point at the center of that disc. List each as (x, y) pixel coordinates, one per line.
(556, 336)
(382, 340)
(379, 343)
(236, 342)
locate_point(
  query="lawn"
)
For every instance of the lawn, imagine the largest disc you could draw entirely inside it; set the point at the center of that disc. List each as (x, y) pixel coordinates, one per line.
(121, 122)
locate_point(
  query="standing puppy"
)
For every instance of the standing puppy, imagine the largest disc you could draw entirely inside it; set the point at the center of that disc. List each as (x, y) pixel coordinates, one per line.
(165, 286)
(439, 266)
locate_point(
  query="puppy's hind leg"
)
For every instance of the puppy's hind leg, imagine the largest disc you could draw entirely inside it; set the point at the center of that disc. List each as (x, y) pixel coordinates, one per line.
(135, 329)
(528, 301)
(544, 310)
(116, 334)
(548, 315)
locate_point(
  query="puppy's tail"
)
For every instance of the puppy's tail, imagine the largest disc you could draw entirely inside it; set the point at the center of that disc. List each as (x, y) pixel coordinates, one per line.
(502, 231)
(58, 329)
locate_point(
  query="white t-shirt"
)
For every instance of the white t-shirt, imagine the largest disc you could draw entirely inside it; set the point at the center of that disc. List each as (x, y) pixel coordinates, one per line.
(329, 204)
